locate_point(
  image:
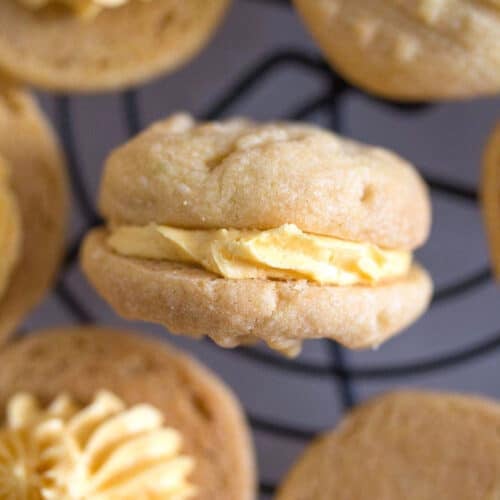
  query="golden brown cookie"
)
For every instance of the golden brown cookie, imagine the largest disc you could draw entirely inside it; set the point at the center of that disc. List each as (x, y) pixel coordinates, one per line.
(37, 180)
(490, 197)
(10, 227)
(83, 361)
(410, 49)
(411, 445)
(324, 210)
(55, 48)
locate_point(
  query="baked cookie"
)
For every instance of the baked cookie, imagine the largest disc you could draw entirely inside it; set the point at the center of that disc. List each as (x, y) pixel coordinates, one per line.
(33, 204)
(411, 445)
(410, 49)
(490, 197)
(277, 232)
(197, 439)
(94, 45)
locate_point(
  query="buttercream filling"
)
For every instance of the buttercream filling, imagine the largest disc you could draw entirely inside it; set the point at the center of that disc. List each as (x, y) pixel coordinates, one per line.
(104, 451)
(283, 253)
(84, 8)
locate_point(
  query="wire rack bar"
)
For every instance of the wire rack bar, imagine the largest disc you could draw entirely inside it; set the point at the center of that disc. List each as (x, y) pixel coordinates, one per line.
(268, 487)
(130, 101)
(246, 82)
(382, 371)
(282, 429)
(463, 286)
(74, 306)
(452, 189)
(64, 124)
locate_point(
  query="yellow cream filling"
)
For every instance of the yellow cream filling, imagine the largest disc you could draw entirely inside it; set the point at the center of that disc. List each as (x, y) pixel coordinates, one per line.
(284, 253)
(104, 451)
(10, 229)
(84, 8)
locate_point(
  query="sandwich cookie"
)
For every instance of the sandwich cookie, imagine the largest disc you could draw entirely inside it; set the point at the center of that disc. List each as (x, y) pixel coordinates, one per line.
(411, 445)
(33, 207)
(244, 231)
(96, 45)
(410, 49)
(97, 413)
(490, 197)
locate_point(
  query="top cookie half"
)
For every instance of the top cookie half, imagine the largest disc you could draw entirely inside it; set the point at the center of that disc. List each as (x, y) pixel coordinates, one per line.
(243, 175)
(94, 45)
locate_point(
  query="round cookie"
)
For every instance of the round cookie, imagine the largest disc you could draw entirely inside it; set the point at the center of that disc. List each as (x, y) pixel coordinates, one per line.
(240, 174)
(410, 50)
(411, 445)
(30, 148)
(490, 198)
(83, 361)
(55, 49)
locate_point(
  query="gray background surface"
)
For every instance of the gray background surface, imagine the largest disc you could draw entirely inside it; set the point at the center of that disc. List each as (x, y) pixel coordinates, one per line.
(445, 141)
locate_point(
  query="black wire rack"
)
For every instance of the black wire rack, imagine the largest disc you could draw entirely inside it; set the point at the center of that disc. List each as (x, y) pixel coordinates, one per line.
(329, 102)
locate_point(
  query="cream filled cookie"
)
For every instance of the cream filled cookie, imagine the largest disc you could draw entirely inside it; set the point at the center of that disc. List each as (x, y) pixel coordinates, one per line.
(33, 203)
(411, 445)
(94, 45)
(245, 231)
(97, 413)
(410, 49)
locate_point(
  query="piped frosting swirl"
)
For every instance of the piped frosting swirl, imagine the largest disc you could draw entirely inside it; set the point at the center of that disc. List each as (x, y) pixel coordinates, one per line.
(84, 8)
(104, 451)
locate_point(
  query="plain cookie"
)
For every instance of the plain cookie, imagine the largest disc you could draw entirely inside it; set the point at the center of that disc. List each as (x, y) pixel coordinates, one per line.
(490, 197)
(58, 50)
(38, 178)
(411, 445)
(410, 49)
